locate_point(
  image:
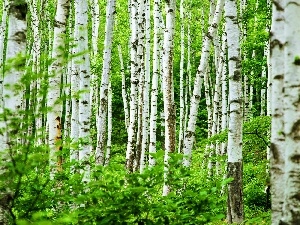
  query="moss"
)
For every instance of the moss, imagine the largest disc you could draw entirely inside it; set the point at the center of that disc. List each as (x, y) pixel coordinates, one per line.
(297, 60)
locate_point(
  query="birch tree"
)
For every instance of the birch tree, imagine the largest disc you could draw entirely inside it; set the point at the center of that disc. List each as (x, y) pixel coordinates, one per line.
(109, 125)
(84, 112)
(224, 117)
(235, 213)
(95, 10)
(75, 80)
(181, 97)
(12, 98)
(3, 27)
(54, 114)
(155, 77)
(134, 80)
(145, 125)
(168, 83)
(3, 33)
(217, 110)
(291, 87)
(140, 62)
(102, 114)
(189, 135)
(124, 93)
(94, 92)
(277, 40)
(36, 101)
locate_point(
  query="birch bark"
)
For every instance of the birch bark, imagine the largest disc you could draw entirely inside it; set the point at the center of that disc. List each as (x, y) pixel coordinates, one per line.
(54, 102)
(131, 144)
(140, 61)
(75, 80)
(190, 131)
(145, 126)
(235, 211)
(124, 93)
(155, 77)
(217, 104)
(224, 103)
(168, 95)
(36, 99)
(109, 125)
(263, 90)
(95, 10)
(94, 92)
(291, 87)
(12, 97)
(102, 114)
(81, 11)
(277, 40)
(181, 95)
(3, 32)
(3, 28)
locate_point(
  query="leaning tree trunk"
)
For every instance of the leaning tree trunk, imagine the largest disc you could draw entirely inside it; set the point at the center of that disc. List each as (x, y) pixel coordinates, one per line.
(235, 213)
(55, 72)
(12, 101)
(291, 114)
(190, 131)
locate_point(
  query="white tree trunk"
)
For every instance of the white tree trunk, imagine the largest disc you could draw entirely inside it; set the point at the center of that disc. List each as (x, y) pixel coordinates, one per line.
(224, 103)
(277, 42)
(181, 74)
(263, 101)
(124, 93)
(133, 87)
(94, 92)
(190, 131)
(145, 126)
(109, 125)
(74, 133)
(188, 89)
(235, 211)
(217, 104)
(168, 94)
(12, 97)
(3, 28)
(102, 114)
(36, 84)
(209, 107)
(155, 76)
(291, 115)
(140, 61)
(3, 31)
(81, 7)
(95, 11)
(67, 85)
(54, 102)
